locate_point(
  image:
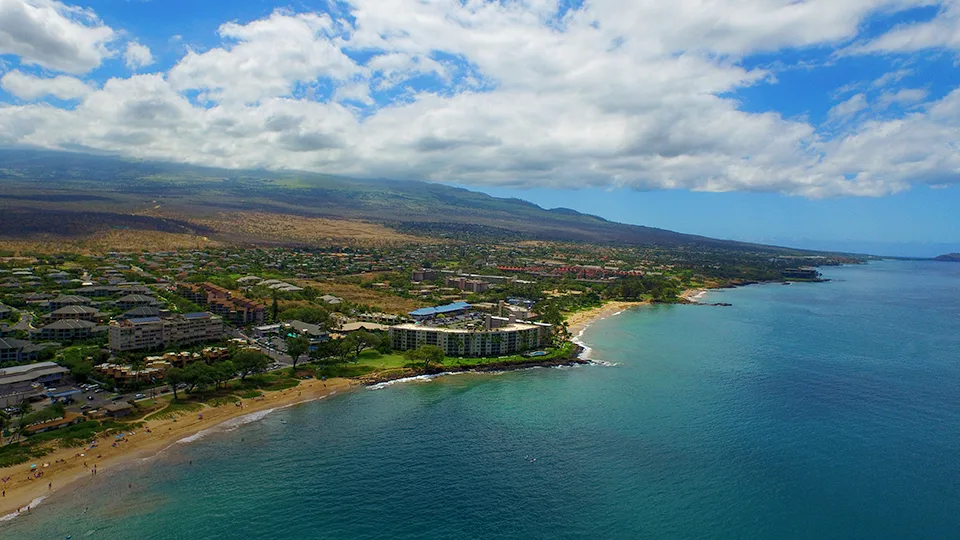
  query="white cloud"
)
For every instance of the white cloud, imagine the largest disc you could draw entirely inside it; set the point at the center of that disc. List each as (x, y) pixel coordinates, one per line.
(616, 93)
(906, 96)
(943, 31)
(848, 108)
(30, 88)
(265, 58)
(137, 56)
(53, 35)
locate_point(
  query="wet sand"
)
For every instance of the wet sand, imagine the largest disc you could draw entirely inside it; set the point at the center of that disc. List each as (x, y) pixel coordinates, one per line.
(66, 466)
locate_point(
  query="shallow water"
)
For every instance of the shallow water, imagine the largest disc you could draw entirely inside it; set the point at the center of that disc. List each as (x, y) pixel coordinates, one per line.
(803, 411)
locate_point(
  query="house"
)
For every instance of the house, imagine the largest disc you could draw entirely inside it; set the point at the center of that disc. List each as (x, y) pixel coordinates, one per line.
(119, 410)
(331, 299)
(5, 311)
(57, 423)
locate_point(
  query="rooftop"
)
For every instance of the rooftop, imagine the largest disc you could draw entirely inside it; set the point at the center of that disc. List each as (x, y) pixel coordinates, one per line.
(449, 308)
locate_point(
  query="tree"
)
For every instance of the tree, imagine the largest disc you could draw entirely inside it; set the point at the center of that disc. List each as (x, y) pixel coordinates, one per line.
(330, 352)
(357, 341)
(275, 308)
(222, 372)
(198, 374)
(174, 377)
(384, 347)
(296, 347)
(137, 365)
(308, 314)
(249, 362)
(427, 354)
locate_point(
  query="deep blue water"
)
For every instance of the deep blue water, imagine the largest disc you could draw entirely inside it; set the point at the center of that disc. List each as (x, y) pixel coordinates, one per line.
(803, 411)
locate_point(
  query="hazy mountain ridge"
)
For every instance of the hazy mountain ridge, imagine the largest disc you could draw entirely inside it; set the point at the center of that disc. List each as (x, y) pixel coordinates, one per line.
(175, 193)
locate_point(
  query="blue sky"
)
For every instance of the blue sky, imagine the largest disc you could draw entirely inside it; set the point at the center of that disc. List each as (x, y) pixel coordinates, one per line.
(820, 124)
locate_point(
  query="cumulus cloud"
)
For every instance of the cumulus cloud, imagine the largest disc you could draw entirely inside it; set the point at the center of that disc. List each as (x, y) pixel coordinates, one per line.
(53, 35)
(28, 87)
(507, 93)
(137, 56)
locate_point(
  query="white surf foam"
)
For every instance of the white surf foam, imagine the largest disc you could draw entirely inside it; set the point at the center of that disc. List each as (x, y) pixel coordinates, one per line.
(418, 378)
(32, 504)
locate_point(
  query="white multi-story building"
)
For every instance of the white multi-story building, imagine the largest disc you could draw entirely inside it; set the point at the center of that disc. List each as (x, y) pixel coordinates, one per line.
(499, 337)
(157, 333)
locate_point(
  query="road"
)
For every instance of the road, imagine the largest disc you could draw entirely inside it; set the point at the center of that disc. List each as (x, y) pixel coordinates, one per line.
(25, 323)
(273, 353)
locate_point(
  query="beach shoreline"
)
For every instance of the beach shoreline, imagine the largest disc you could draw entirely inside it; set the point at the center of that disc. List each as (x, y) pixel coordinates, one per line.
(65, 467)
(579, 321)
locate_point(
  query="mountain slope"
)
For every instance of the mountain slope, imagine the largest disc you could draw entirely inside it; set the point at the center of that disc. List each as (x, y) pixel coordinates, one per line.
(171, 196)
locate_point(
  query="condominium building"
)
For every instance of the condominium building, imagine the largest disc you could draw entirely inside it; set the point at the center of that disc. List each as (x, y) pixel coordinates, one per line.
(499, 337)
(156, 333)
(223, 302)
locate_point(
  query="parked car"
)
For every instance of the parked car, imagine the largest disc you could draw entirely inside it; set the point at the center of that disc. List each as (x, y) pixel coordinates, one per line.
(90, 398)
(139, 396)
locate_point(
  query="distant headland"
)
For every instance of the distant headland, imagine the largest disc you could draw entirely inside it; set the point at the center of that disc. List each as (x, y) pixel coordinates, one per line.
(949, 257)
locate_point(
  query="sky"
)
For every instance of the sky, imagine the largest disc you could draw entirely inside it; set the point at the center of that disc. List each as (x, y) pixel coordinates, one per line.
(815, 123)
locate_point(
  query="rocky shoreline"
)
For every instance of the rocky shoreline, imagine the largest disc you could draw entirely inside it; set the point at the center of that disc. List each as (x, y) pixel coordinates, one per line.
(573, 359)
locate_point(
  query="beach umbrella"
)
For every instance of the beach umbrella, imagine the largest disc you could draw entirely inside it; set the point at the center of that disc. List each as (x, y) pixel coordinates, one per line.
(34, 466)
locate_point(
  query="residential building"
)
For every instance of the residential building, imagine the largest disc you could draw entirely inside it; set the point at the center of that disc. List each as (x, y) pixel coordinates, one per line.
(66, 330)
(17, 351)
(499, 337)
(468, 285)
(131, 301)
(155, 333)
(67, 300)
(77, 312)
(223, 302)
(424, 274)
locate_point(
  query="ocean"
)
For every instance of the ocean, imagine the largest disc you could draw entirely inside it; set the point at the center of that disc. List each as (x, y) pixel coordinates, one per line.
(804, 411)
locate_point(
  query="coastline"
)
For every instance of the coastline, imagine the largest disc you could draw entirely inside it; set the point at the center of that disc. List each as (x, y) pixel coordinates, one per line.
(65, 466)
(579, 321)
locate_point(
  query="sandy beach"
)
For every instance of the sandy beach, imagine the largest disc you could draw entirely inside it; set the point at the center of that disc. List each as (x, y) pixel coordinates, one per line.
(578, 321)
(65, 466)
(693, 296)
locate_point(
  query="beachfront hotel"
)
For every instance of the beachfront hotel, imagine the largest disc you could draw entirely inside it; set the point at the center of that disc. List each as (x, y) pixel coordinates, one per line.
(461, 332)
(155, 333)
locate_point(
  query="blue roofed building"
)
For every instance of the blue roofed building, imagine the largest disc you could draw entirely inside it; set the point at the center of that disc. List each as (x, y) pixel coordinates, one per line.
(449, 310)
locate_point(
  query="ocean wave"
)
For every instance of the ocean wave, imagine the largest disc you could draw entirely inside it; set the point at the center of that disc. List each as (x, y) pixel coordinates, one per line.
(421, 378)
(32, 504)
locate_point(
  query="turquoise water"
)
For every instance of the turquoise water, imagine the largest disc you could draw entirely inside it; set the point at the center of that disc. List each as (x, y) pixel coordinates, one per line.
(803, 411)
